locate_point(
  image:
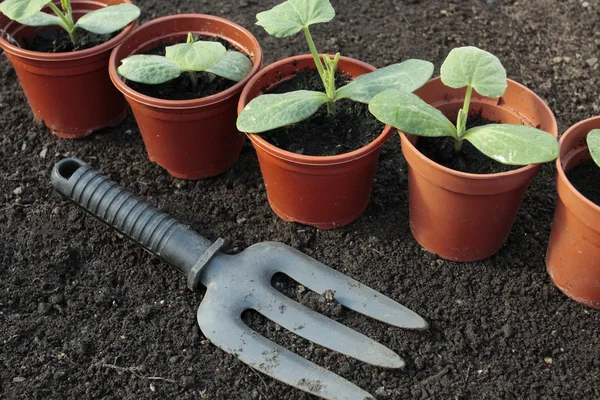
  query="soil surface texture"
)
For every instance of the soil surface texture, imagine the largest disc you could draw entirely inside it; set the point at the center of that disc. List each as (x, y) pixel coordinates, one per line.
(181, 88)
(86, 314)
(351, 126)
(586, 178)
(55, 40)
(469, 159)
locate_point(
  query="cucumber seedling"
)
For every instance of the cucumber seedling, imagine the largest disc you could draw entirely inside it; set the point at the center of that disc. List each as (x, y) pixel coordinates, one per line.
(102, 21)
(477, 70)
(593, 142)
(190, 57)
(271, 111)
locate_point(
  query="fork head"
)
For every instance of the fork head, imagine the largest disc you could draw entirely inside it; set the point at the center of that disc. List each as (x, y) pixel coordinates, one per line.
(243, 281)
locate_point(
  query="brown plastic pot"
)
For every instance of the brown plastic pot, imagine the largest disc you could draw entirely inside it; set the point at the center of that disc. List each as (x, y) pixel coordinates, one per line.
(322, 191)
(70, 93)
(191, 139)
(573, 256)
(461, 216)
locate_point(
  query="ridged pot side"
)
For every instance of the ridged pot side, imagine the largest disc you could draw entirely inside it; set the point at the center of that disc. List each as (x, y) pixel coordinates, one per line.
(573, 255)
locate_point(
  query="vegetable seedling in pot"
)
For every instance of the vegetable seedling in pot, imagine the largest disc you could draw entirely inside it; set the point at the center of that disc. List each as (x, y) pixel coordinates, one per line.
(271, 111)
(477, 70)
(102, 21)
(593, 142)
(190, 57)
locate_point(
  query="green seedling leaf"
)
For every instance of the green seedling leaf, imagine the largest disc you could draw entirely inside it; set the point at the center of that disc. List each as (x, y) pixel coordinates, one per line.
(291, 16)
(410, 114)
(198, 56)
(22, 9)
(271, 111)
(109, 19)
(406, 76)
(150, 69)
(43, 19)
(513, 144)
(593, 142)
(470, 66)
(234, 66)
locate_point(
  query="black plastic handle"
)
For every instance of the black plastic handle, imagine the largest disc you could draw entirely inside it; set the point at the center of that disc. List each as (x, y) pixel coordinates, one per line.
(147, 226)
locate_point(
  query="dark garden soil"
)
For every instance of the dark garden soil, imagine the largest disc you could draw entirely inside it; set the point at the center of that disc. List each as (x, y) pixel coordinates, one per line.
(181, 88)
(54, 40)
(86, 314)
(585, 177)
(469, 159)
(351, 126)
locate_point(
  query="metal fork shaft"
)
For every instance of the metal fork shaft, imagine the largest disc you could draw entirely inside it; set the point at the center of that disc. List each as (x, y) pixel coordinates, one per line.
(120, 209)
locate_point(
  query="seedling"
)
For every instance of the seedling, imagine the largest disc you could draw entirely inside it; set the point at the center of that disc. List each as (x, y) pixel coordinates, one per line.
(477, 70)
(190, 57)
(271, 111)
(102, 21)
(593, 142)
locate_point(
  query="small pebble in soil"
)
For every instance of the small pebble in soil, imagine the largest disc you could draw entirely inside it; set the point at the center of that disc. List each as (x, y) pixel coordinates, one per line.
(18, 191)
(548, 360)
(329, 295)
(508, 331)
(44, 308)
(187, 381)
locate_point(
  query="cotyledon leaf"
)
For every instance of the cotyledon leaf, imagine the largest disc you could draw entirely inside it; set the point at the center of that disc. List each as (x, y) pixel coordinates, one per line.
(410, 114)
(406, 76)
(593, 142)
(513, 144)
(234, 66)
(271, 111)
(149, 69)
(108, 19)
(291, 16)
(22, 9)
(198, 56)
(42, 19)
(475, 67)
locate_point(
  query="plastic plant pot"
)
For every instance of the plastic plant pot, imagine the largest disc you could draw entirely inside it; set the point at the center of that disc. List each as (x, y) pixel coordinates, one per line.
(322, 191)
(573, 256)
(69, 92)
(191, 139)
(461, 216)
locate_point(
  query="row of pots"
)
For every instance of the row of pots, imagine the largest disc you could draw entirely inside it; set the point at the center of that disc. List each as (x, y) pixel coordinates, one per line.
(459, 216)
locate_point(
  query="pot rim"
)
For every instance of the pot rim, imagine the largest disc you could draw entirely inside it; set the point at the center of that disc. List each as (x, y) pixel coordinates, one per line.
(559, 163)
(184, 104)
(72, 55)
(482, 177)
(288, 156)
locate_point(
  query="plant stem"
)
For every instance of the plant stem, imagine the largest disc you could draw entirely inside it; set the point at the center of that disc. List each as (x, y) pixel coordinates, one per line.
(67, 20)
(457, 145)
(464, 113)
(315, 54)
(194, 78)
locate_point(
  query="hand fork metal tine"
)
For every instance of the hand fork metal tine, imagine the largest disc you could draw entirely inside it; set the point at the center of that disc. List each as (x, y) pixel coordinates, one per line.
(243, 281)
(222, 324)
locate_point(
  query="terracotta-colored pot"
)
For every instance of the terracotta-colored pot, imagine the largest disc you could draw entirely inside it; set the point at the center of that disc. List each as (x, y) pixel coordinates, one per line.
(573, 256)
(461, 216)
(322, 191)
(70, 92)
(191, 139)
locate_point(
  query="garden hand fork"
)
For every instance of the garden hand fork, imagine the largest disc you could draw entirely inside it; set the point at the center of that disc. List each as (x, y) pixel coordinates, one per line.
(236, 283)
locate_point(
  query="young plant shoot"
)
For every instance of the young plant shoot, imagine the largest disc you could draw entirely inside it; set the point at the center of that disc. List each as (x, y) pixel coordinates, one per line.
(478, 70)
(271, 111)
(593, 142)
(102, 21)
(190, 57)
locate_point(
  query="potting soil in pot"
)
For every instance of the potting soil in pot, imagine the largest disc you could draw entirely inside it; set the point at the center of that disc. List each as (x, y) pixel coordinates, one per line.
(350, 128)
(54, 40)
(586, 179)
(181, 87)
(469, 159)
